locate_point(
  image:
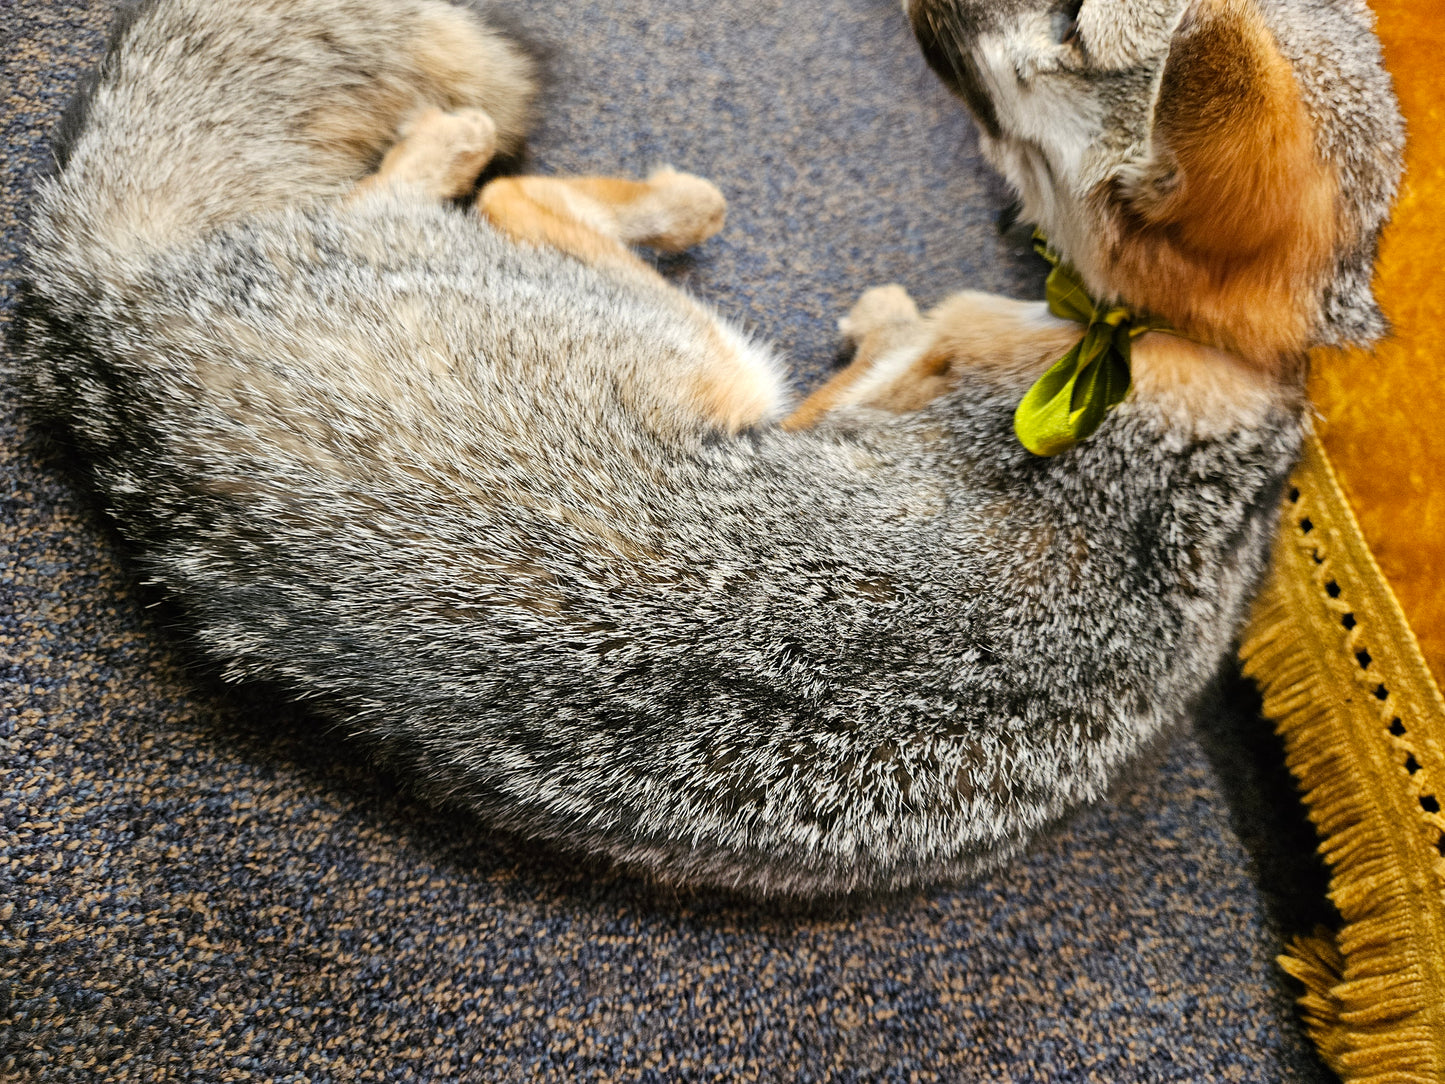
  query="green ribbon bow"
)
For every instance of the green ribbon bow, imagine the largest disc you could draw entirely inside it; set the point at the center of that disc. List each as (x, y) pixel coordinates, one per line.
(1068, 402)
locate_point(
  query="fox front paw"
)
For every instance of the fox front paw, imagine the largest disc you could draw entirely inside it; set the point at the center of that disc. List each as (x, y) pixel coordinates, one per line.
(877, 308)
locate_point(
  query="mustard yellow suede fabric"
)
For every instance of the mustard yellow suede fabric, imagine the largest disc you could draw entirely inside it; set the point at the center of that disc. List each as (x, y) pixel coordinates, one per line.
(1384, 410)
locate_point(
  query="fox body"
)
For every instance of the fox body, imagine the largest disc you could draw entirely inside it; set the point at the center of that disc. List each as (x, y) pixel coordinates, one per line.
(485, 488)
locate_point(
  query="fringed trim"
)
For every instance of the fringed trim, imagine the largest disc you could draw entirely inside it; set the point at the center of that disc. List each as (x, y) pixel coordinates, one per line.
(1317, 964)
(1364, 732)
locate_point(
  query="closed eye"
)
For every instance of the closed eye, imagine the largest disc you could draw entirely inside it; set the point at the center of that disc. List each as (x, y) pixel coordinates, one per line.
(1066, 22)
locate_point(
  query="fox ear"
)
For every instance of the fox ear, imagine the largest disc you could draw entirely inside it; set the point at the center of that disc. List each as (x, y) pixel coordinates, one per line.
(1233, 199)
(1230, 133)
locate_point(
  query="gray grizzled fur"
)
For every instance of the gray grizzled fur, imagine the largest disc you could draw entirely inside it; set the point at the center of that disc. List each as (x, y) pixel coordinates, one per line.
(432, 481)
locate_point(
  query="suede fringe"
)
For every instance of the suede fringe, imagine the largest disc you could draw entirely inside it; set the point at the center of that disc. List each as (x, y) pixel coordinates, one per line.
(1363, 725)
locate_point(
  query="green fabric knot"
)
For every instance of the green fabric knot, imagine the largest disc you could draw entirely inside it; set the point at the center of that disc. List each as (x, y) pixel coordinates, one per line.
(1068, 402)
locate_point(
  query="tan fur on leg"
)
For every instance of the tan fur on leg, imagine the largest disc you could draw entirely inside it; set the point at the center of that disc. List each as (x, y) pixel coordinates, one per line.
(540, 211)
(883, 309)
(981, 331)
(669, 211)
(904, 363)
(595, 218)
(883, 320)
(439, 154)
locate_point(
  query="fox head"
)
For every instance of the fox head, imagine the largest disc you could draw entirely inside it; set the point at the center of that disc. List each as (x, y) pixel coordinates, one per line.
(1224, 164)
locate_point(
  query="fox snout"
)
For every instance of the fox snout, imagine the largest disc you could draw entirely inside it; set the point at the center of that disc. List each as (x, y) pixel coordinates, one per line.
(943, 32)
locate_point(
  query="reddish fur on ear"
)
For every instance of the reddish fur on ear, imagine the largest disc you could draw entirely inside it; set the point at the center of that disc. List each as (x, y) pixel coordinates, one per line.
(1229, 233)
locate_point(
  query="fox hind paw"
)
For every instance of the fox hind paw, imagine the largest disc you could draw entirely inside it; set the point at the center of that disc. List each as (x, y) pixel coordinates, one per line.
(441, 152)
(678, 211)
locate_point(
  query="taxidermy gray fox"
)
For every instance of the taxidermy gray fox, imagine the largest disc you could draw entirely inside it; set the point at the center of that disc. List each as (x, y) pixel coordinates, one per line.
(471, 477)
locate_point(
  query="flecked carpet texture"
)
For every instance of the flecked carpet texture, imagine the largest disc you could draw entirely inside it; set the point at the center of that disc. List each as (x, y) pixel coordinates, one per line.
(200, 883)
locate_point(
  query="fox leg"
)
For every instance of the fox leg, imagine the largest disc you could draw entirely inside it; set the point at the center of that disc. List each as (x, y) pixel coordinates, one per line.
(906, 360)
(734, 385)
(596, 218)
(884, 320)
(439, 154)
